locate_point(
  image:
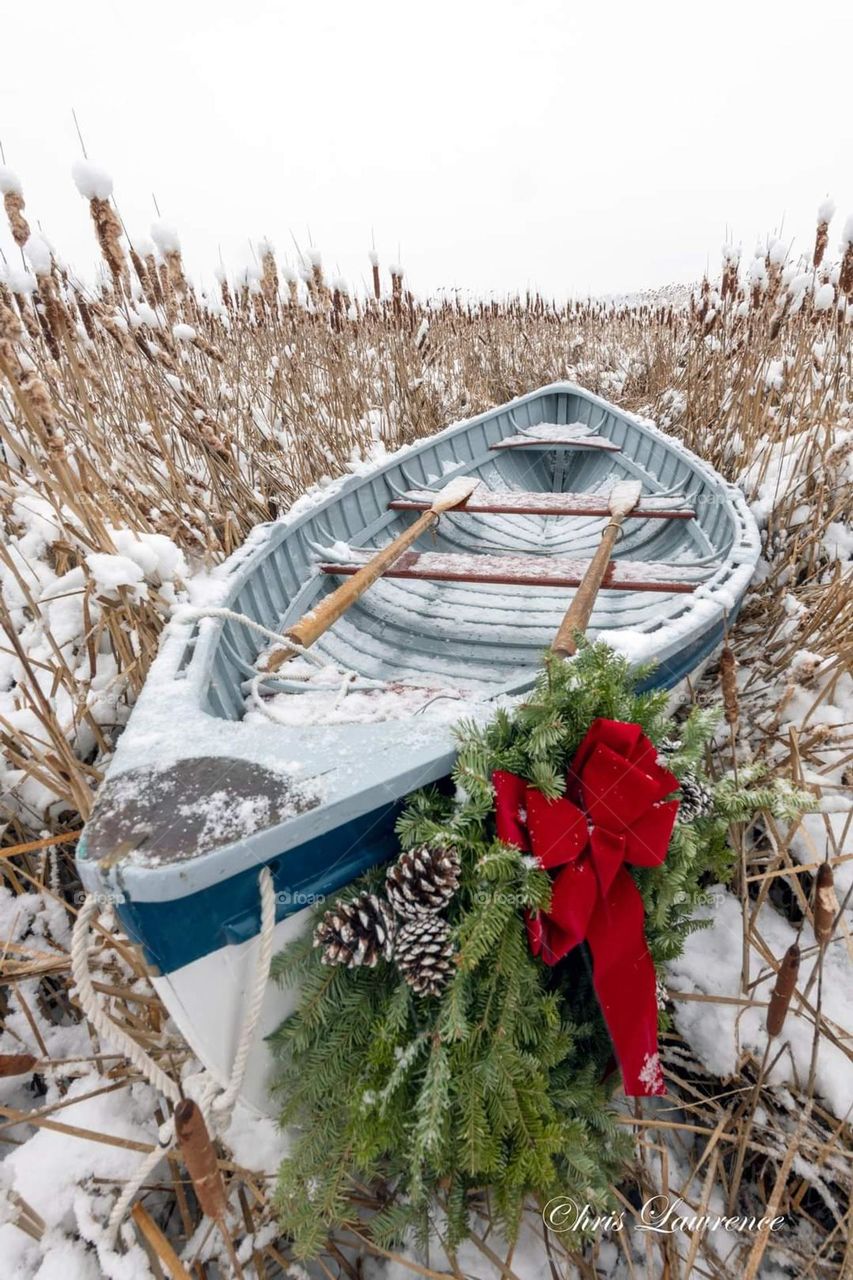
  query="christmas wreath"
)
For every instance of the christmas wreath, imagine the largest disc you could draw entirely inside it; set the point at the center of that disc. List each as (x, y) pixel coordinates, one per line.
(461, 1009)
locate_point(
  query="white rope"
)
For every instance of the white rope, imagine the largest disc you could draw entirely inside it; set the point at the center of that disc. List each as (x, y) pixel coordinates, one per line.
(230, 615)
(215, 1103)
(102, 1023)
(228, 1097)
(349, 678)
(165, 1138)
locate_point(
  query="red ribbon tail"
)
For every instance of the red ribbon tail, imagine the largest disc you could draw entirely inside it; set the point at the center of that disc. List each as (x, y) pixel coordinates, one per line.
(624, 979)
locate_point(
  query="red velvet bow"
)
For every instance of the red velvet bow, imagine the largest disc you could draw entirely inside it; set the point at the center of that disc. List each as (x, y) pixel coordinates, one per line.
(613, 813)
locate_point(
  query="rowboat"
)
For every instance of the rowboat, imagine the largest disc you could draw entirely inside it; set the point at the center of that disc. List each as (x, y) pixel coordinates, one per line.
(228, 766)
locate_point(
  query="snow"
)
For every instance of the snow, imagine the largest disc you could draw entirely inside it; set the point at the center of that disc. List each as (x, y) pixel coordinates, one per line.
(826, 210)
(111, 572)
(19, 280)
(824, 297)
(143, 246)
(93, 182)
(183, 333)
(10, 183)
(165, 236)
(37, 251)
(719, 1032)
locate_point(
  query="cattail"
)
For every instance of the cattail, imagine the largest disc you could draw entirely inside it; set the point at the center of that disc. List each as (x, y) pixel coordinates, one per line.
(200, 1158)
(845, 279)
(824, 217)
(786, 981)
(13, 201)
(11, 329)
(269, 273)
(166, 239)
(96, 186)
(728, 678)
(291, 279)
(86, 317)
(825, 904)
(150, 263)
(397, 289)
(316, 264)
(377, 284)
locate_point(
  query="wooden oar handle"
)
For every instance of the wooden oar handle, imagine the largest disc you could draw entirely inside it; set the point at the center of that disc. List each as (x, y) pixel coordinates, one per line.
(312, 624)
(579, 611)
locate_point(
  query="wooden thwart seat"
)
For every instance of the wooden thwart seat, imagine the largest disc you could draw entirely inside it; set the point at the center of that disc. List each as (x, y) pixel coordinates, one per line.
(551, 436)
(528, 571)
(547, 504)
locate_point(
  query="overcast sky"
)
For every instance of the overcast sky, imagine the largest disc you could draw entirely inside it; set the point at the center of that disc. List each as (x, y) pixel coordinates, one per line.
(492, 144)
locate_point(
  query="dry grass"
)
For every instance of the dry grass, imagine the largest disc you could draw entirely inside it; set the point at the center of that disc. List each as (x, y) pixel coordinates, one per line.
(142, 405)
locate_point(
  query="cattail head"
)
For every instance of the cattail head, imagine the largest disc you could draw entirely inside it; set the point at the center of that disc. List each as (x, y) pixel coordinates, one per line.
(166, 239)
(200, 1158)
(96, 186)
(13, 201)
(374, 266)
(845, 278)
(825, 904)
(731, 261)
(824, 217)
(786, 981)
(269, 271)
(728, 679)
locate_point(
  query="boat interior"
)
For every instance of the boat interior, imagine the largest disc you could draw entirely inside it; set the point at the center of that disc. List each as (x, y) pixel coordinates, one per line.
(484, 634)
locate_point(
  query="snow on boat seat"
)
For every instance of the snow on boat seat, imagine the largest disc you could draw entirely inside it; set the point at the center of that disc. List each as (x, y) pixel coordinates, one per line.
(517, 502)
(538, 571)
(551, 435)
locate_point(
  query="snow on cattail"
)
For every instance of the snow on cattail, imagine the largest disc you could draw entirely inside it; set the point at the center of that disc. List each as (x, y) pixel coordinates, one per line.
(144, 246)
(824, 298)
(92, 181)
(38, 253)
(165, 237)
(10, 183)
(183, 333)
(777, 253)
(21, 282)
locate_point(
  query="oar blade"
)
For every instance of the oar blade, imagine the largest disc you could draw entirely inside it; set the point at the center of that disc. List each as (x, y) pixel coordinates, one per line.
(624, 496)
(454, 493)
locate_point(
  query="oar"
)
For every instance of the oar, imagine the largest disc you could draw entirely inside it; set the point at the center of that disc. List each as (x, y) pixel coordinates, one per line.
(623, 498)
(312, 624)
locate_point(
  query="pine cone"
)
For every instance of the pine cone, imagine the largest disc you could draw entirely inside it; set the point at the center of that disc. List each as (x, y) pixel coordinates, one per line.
(358, 932)
(424, 954)
(695, 800)
(422, 881)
